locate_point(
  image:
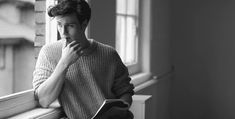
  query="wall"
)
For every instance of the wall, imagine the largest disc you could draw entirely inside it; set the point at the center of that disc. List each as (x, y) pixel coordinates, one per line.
(24, 63)
(6, 74)
(103, 21)
(161, 56)
(160, 44)
(18, 71)
(203, 55)
(13, 13)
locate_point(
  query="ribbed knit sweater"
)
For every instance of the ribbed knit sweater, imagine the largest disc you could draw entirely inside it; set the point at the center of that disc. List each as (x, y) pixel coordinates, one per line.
(97, 75)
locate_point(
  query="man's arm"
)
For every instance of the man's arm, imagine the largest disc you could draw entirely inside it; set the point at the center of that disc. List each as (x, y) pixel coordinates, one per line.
(50, 89)
(127, 98)
(122, 86)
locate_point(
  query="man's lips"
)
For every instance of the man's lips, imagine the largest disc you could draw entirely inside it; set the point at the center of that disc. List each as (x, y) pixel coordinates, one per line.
(68, 40)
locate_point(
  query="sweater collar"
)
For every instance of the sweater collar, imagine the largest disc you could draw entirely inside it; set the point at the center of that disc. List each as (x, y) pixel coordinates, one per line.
(91, 48)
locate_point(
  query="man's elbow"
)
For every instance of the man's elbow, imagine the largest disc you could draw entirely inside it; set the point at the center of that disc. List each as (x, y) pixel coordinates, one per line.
(44, 102)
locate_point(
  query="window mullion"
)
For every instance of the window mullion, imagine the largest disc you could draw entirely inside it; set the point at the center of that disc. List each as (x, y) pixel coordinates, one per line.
(125, 40)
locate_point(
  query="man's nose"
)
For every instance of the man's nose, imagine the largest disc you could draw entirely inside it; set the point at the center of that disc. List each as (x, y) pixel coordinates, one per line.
(64, 31)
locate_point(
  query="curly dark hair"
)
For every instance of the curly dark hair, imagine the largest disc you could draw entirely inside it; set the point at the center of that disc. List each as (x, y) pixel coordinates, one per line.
(80, 7)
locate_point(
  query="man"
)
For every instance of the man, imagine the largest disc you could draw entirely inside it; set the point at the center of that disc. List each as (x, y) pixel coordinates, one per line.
(79, 72)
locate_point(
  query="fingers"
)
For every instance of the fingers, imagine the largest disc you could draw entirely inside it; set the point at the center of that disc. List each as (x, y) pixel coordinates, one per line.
(80, 51)
(64, 44)
(73, 43)
(75, 46)
(116, 113)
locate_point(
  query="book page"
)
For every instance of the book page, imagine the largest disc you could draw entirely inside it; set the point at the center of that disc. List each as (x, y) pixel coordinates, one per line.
(108, 104)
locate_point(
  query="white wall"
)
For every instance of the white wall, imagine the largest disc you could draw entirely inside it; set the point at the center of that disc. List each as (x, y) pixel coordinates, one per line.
(6, 74)
(203, 45)
(24, 63)
(10, 13)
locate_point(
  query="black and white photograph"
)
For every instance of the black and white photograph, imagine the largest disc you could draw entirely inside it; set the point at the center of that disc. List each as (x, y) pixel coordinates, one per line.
(117, 59)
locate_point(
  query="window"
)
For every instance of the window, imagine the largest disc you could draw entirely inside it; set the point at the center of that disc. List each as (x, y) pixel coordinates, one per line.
(127, 36)
(51, 25)
(16, 46)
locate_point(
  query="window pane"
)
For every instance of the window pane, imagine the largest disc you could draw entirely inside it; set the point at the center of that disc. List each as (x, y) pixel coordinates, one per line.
(121, 6)
(120, 36)
(132, 7)
(51, 25)
(127, 39)
(126, 31)
(130, 40)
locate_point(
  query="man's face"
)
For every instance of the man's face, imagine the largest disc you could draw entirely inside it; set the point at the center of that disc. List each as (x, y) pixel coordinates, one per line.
(70, 28)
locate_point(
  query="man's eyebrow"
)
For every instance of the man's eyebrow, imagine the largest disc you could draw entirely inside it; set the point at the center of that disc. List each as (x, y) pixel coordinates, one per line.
(67, 23)
(58, 22)
(71, 23)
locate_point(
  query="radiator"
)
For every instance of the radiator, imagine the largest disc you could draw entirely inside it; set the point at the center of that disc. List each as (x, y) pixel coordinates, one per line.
(139, 104)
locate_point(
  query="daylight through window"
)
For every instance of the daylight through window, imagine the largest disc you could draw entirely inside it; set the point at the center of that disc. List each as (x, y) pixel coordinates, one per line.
(127, 30)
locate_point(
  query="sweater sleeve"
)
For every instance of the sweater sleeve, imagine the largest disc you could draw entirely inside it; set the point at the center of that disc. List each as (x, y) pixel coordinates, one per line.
(43, 69)
(122, 80)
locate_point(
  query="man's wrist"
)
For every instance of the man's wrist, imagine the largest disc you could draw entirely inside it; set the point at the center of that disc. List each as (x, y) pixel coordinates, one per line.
(127, 98)
(63, 65)
(126, 103)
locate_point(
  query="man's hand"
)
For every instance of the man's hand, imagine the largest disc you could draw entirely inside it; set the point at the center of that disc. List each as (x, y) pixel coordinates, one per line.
(71, 52)
(115, 113)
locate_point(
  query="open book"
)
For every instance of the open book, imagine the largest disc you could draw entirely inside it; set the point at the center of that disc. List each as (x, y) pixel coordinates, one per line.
(108, 104)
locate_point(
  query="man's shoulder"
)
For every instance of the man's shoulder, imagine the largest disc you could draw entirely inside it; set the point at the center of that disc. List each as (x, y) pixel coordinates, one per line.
(106, 47)
(52, 46)
(108, 52)
(52, 50)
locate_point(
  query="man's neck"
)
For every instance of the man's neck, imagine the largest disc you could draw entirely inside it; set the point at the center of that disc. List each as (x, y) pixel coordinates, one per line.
(86, 43)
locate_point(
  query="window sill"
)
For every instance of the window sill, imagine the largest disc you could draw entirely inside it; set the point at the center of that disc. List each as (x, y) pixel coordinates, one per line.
(140, 81)
(39, 113)
(54, 112)
(140, 78)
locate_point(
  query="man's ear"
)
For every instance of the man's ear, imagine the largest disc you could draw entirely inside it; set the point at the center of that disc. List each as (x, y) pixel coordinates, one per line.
(84, 25)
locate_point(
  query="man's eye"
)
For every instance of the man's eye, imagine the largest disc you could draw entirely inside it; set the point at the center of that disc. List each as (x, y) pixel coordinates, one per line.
(59, 25)
(71, 25)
